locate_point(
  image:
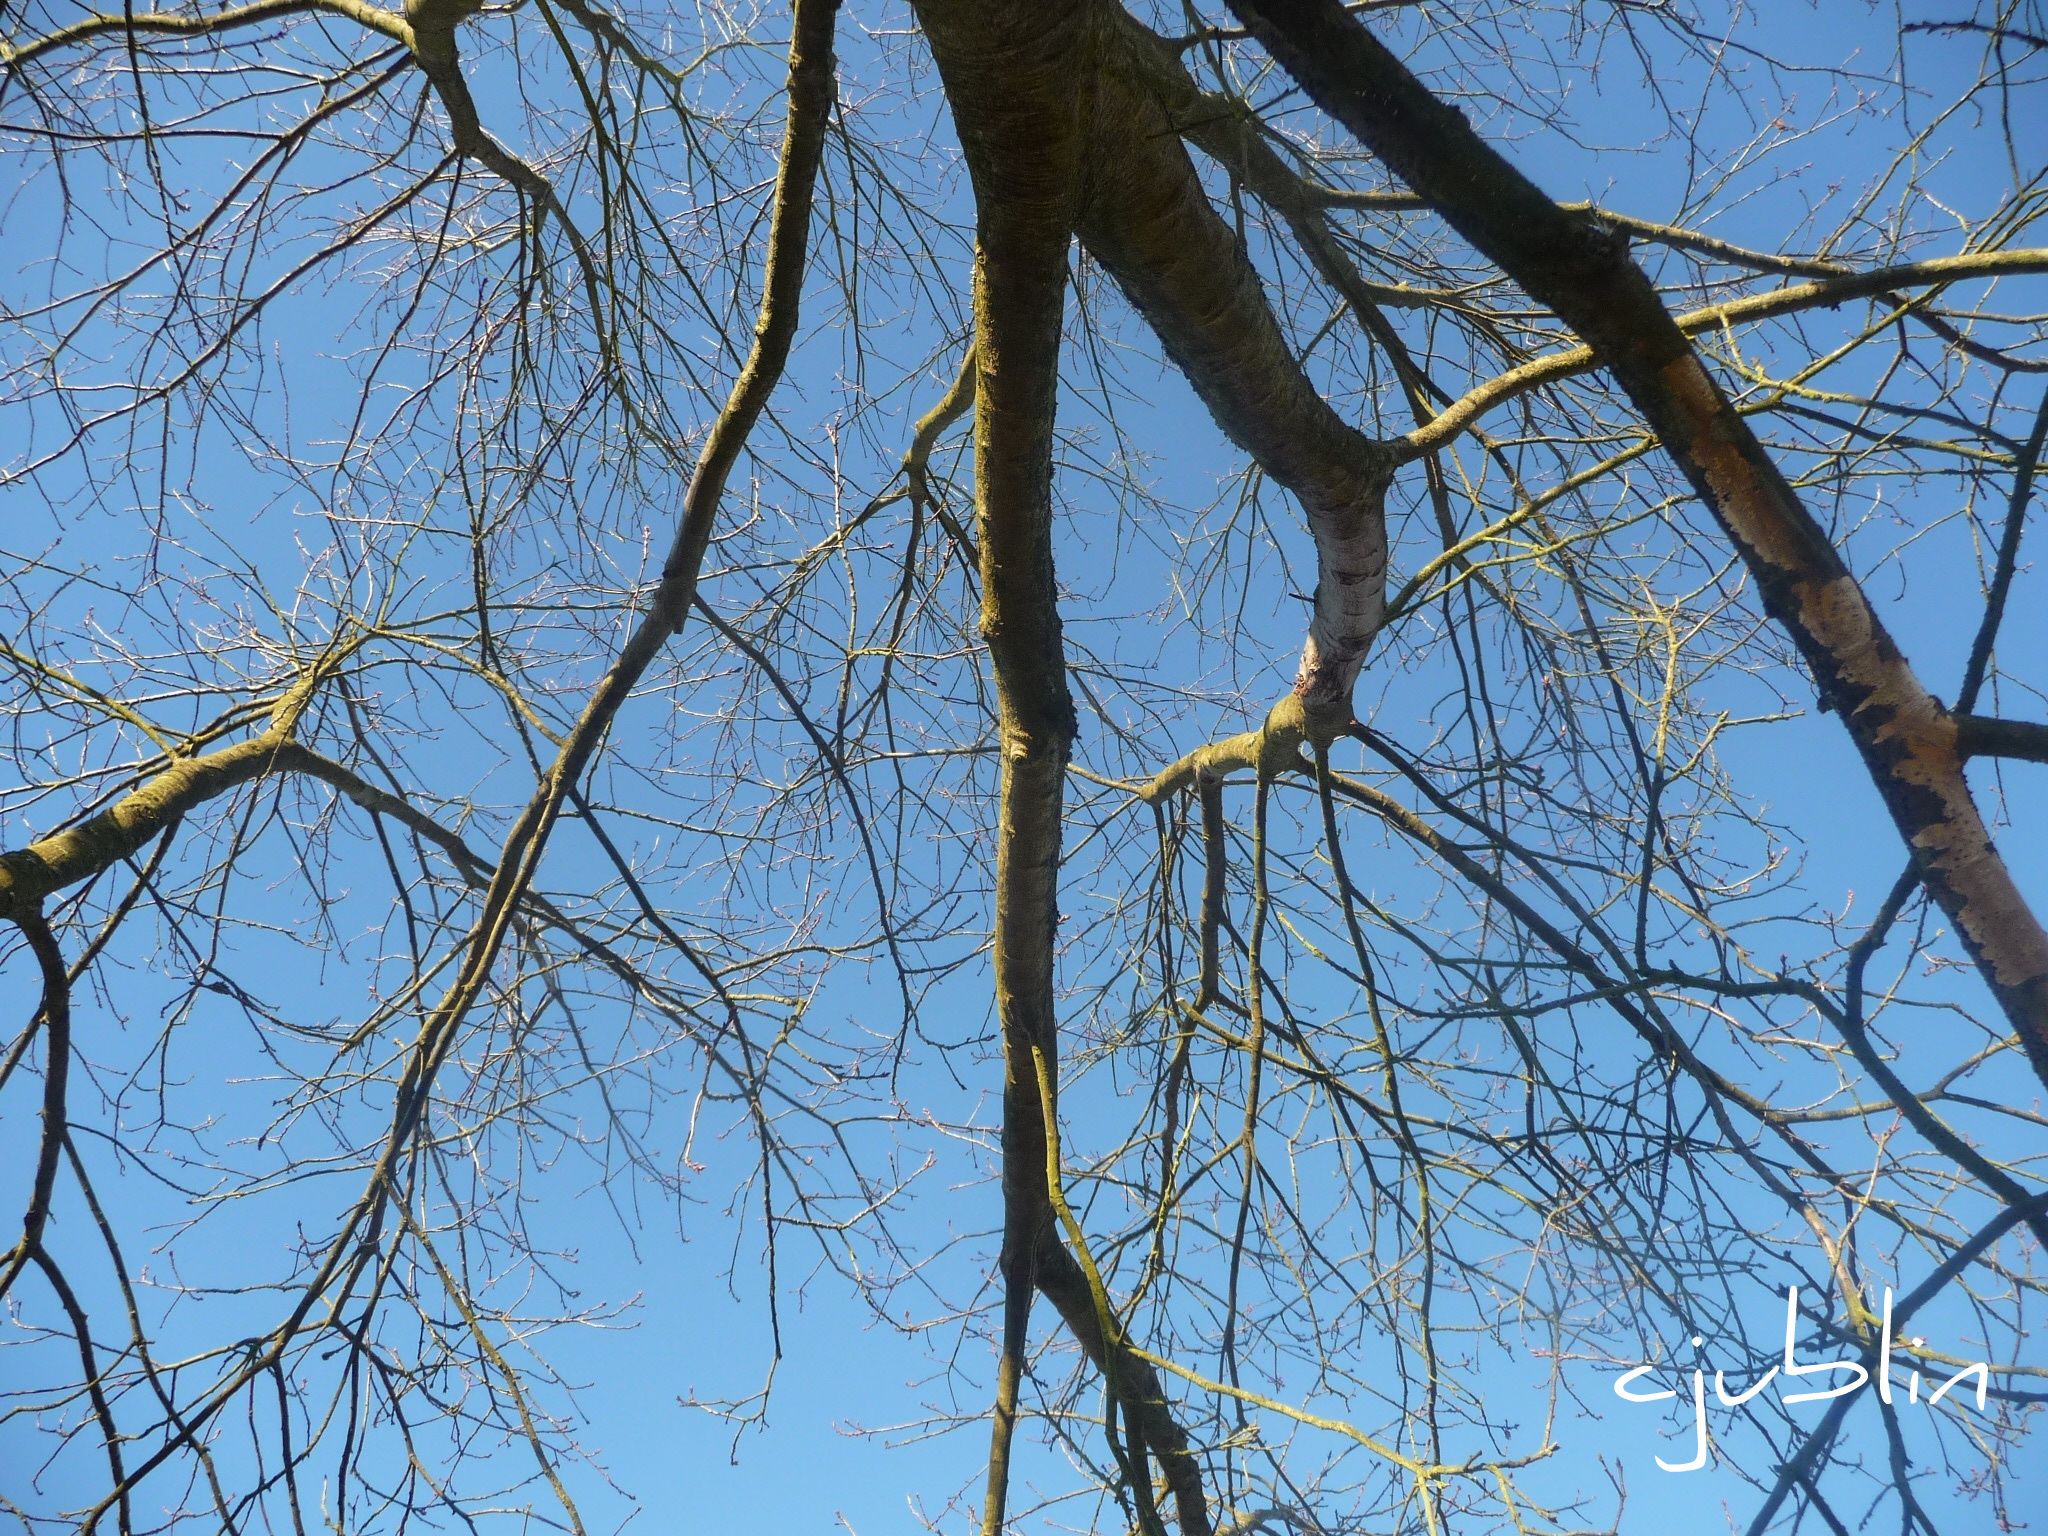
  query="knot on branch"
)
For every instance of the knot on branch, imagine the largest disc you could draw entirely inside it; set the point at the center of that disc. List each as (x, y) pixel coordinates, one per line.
(1274, 748)
(433, 24)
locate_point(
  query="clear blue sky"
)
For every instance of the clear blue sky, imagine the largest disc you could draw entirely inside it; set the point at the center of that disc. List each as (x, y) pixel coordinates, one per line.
(697, 1324)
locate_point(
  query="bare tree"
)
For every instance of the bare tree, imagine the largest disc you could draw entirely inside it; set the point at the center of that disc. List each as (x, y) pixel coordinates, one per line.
(610, 602)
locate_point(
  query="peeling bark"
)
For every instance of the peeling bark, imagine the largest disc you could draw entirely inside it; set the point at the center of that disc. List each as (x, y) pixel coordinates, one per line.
(1580, 268)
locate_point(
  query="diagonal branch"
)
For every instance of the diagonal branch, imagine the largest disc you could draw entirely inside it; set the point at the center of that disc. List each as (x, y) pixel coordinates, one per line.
(354, 1245)
(1148, 220)
(1582, 271)
(49, 864)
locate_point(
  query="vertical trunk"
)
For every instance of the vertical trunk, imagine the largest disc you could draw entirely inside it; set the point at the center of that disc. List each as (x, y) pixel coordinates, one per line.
(1010, 75)
(1022, 81)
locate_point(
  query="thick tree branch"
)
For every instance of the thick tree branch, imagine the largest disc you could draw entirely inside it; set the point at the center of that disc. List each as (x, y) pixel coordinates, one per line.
(1148, 220)
(53, 1013)
(1010, 74)
(1989, 736)
(1582, 271)
(66, 857)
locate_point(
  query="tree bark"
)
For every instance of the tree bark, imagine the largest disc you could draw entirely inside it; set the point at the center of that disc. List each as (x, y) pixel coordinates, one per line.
(1148, 220)
(1022, 81)
(1009, 74)
(1581, 269)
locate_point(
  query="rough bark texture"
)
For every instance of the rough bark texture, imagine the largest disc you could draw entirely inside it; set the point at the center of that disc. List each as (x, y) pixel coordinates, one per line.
(1018, 81)
(76, 853)
(1581, 269)
(1009, 74)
